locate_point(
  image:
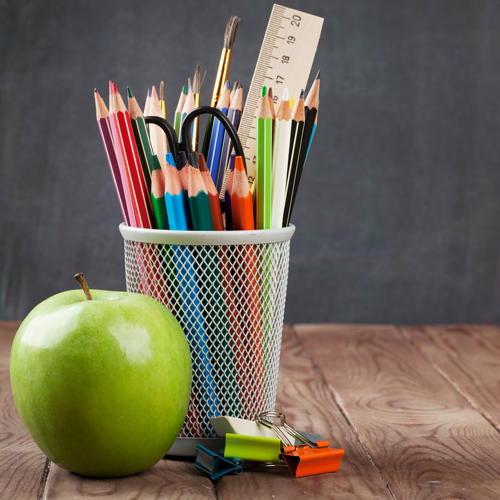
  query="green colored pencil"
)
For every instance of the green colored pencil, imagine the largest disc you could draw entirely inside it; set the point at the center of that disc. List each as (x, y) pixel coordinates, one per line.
(178, 111)
(264, 130)
(158, 196)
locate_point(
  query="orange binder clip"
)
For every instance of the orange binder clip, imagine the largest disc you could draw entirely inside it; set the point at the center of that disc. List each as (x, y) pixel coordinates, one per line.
(306, 459)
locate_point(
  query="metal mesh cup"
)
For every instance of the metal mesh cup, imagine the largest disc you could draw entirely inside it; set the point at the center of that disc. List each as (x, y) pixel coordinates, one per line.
(227, 290)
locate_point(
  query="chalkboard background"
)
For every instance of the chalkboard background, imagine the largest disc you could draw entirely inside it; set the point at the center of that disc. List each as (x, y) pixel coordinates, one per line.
(398, 215)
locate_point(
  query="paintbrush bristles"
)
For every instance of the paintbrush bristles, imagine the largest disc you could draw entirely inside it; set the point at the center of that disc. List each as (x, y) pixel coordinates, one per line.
(197, 80)
(162, 91)
(230, 34)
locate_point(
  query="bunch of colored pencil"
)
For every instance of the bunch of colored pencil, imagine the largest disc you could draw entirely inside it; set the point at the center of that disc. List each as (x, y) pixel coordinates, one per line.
(283, 141)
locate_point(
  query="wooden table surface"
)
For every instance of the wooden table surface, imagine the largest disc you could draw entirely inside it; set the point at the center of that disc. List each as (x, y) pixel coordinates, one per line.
(416, 409)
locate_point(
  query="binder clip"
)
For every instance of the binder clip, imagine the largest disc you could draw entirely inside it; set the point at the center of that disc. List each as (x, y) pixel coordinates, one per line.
(214, 465)
(306, 459)
(256, 449)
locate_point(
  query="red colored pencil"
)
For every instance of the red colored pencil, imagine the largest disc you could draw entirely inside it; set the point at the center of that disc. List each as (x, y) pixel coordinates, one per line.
(123, 137)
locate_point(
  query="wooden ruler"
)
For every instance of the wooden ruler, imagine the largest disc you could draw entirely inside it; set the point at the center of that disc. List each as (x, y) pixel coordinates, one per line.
(285, 60)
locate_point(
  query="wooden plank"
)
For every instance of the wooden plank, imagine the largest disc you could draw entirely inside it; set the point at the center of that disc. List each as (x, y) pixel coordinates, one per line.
(309, 406)
(21, 462)
(469, 357)
(168, 479)
(423, 436)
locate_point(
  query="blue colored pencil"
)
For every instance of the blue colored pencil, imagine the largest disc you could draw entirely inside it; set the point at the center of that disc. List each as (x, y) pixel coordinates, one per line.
(194, 324)
(215, 150)
(183, 175)
(234, 115)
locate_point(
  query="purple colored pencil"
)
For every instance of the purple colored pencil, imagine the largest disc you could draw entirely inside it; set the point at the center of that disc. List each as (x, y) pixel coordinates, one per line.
(109, 146)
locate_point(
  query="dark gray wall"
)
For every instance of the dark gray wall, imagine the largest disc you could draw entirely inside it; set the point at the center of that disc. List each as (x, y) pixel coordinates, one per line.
(398, 214)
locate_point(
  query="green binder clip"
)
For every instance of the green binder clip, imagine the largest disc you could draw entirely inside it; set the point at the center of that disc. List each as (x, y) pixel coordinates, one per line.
(256, 449)
(214, 465)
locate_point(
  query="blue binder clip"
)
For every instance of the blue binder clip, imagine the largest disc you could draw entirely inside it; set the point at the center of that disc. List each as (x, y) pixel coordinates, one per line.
(214, 465)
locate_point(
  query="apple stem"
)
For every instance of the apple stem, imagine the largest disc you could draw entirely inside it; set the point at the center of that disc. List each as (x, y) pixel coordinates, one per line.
(79, 277)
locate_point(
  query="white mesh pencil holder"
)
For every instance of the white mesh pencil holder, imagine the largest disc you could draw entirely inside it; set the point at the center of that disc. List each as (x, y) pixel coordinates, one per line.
(228, 291)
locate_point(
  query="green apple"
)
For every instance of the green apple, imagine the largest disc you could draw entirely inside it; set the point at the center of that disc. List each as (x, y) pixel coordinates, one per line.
(102, 385)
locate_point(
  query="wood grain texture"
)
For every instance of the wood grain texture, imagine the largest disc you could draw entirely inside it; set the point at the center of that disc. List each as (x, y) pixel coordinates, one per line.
(469, 357)
(309, 406)
(168, 479)
(21, 462)
(423, 436)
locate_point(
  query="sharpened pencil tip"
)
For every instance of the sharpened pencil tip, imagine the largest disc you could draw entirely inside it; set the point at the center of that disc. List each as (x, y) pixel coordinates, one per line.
(264, 91)
(129, 92)
(286, 94)
(96, 91)
(182, 159)
(302, 94)
(111, 87)
(270, 92)
(318, 75)
(149, 92)
(228, 85)
(184, 90)
(191, 89)
(239, 86)
(153, 91)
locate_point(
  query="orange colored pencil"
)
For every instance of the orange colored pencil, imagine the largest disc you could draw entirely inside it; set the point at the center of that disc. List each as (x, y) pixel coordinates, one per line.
(241, 199)
(213, 195)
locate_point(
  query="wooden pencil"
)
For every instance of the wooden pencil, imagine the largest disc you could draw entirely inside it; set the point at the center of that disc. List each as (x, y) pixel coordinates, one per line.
(147, 103)
(296, 133)
(264, 136)
(222, 75)
(174, 198)
(189, 104)
(183, 176)
(123, 136)
(234, 116)
(215, 151)
(109, 147)
(158, 196)
(178, 111)
(213, 196)
(141, 137)
(281, 148)
(236, 86)
(241, 199)
(311, 105)
(271, 103)
(227, 194)
(158, 139)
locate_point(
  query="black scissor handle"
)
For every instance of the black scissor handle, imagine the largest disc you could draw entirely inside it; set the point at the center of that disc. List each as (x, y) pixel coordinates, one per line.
(173, 142)
(217, 113)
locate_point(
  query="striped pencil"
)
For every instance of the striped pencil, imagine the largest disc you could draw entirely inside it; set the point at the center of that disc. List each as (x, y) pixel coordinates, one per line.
(234, 115)
(280, 160)
(158, 139)
(141, 138)
(193, 322)
(311, 105)
(213, 196)
(227, 194)
(215, 150)
(296, 133)
(264, 127)
(178, 111)
(123, 138)
(189, 104)
(107, 140)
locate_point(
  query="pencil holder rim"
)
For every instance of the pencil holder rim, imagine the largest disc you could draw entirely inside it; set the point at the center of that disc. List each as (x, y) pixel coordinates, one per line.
(211, 238)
